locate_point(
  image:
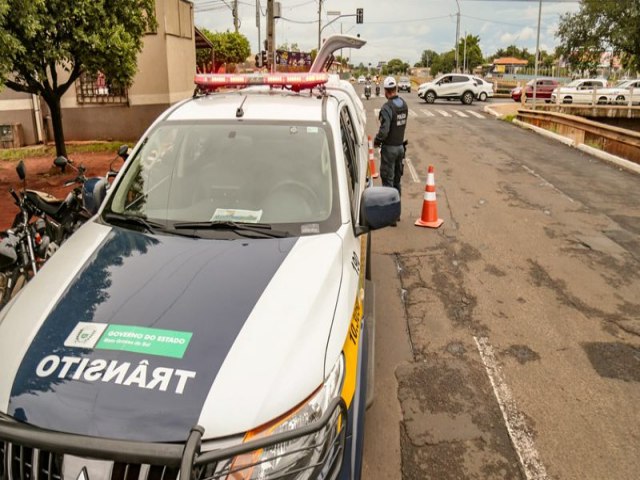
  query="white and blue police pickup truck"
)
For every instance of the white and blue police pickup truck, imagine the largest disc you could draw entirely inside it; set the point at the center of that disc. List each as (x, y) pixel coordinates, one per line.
(214, 319)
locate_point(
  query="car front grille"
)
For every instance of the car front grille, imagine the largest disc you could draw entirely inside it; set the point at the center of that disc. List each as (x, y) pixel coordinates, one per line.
(24, 463)
(312, 451)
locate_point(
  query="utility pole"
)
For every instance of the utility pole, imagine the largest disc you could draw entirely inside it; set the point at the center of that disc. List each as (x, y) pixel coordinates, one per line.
(457, 38)
(258, 25)
(535, 75)
(271, 25)
(236, 20)
(319, 23)
(464, 57)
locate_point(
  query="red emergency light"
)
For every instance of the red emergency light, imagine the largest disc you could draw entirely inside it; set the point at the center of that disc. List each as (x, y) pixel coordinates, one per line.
(293, 81)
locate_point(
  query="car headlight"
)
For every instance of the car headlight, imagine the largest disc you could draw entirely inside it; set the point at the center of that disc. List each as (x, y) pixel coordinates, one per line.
(303, 456)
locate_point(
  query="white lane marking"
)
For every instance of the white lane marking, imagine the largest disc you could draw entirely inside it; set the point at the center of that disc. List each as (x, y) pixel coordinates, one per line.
(514, 420)
(547, 183)
(376, 112)
(412, 113)
(443, 113)
(427, 113)
(460, 114)
(475, 114)
(412, 170)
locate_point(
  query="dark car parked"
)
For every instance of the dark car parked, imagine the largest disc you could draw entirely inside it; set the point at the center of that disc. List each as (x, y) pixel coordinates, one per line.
(544, 89)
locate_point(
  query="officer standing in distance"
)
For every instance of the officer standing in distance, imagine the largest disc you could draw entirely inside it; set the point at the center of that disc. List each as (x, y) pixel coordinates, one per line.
(390, 137)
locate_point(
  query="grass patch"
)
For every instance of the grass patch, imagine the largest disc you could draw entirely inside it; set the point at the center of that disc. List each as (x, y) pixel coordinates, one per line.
(509, 118)
(15, 154)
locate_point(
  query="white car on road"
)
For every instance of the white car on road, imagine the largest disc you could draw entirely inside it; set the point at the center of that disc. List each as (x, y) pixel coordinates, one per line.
(623, 91)
(581, 91)
(452, 85)
(485, 89)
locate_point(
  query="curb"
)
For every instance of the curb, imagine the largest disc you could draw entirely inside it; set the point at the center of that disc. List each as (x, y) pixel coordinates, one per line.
(491, 111)
(607, 157)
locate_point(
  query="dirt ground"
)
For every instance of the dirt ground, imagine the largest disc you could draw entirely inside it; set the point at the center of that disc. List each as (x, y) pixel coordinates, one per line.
(43, 176)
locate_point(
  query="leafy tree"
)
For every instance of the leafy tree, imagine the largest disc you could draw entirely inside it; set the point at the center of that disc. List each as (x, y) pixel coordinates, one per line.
(599, 26)
(473, 52)
(45, 45)
(427, 58)
(289, 48)
(395, 66)
(513, 51)
(444, 63)
(228, 47)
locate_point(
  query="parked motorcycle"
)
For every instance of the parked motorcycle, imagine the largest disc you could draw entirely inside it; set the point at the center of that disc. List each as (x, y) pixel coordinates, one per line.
(367, 91)
(24, 247)
(65, 216)
(44, 222)
(377, 89)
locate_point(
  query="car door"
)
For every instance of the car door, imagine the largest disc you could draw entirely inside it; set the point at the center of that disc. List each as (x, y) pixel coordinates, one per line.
(458, 85)
(584, 92)
(444, 86)
(546, 88)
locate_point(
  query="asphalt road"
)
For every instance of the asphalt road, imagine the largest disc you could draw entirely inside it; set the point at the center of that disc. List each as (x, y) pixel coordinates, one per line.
(508, 340)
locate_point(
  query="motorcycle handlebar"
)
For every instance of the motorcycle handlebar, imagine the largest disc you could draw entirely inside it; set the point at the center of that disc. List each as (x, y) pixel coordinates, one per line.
(15, 196)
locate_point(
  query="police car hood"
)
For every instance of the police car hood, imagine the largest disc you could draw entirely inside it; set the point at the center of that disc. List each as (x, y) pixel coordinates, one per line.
(131, 336)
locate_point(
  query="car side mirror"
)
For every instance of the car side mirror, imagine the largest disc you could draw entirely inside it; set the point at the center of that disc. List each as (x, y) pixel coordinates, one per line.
(379, 208)
(21, 170)
(123, 151)
(61, 162)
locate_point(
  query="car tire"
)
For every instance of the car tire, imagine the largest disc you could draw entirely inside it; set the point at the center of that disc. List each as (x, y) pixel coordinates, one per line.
(567, 100)
(620, 99)
(430, 97)
(467, 97)
(602, 101)
(483, 97)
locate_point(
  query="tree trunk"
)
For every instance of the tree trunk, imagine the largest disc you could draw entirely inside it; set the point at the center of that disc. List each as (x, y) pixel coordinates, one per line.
(53, 102)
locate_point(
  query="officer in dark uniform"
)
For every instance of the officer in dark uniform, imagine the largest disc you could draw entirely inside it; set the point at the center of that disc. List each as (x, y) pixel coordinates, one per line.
(393, 122)
(390, 137)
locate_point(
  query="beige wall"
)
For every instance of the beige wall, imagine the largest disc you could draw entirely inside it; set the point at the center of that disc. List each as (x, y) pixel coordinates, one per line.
(17, 107)
(166, 67)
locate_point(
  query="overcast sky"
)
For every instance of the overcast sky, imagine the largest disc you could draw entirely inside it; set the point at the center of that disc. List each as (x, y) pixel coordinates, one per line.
(397, 28)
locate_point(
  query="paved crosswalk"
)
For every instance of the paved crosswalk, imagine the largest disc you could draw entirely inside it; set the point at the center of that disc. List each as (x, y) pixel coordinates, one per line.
(424, 112)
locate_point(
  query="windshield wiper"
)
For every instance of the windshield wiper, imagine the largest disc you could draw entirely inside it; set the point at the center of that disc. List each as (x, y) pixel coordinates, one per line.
(237, 227)
(124, 219)
(151, 227)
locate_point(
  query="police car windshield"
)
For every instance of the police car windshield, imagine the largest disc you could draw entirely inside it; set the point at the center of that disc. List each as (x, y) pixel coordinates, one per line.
(236, 172)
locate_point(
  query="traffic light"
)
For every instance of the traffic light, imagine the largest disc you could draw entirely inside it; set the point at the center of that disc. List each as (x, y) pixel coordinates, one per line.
(258, 59)
(359, 15)
(264, 58)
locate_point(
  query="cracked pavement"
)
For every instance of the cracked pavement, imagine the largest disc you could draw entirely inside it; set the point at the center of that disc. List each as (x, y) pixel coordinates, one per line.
(539, 256)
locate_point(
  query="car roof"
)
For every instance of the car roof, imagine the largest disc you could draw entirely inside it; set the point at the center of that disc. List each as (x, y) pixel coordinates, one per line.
(258, 103)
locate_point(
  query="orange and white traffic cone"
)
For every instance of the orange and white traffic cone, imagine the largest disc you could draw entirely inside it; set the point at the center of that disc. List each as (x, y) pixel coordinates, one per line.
(429, 217)
(372, 161)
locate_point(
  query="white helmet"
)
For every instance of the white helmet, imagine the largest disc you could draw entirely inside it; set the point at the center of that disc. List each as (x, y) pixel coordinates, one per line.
(389, 82)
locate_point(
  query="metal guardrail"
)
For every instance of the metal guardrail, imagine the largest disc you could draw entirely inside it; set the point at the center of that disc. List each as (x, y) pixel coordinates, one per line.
(614, 140)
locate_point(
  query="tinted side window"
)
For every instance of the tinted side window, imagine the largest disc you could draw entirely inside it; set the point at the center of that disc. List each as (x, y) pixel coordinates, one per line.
(350, 150)
(459, 79)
